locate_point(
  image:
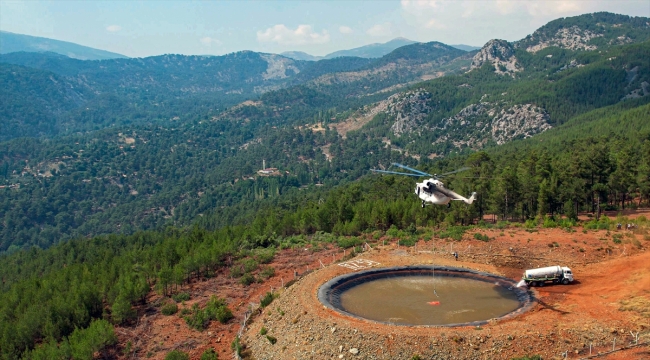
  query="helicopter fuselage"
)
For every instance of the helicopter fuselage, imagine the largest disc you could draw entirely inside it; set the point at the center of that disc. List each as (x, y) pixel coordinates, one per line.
(429, 191)
(433, 191)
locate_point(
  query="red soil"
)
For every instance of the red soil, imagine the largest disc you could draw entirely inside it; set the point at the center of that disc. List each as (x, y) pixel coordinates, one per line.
(568, 318)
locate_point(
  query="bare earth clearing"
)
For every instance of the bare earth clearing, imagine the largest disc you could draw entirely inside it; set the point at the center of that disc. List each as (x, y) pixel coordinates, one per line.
(610, 299)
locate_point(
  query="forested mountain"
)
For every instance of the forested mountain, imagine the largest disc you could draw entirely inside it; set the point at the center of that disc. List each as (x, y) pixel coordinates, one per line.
(353, 88)
(487, 107)
(547, 132)
(301, 55)
(153, 89)
(587, 32)
(371, 51)
(466, 47)
(124, 91)
(144, 173)
(10, 42)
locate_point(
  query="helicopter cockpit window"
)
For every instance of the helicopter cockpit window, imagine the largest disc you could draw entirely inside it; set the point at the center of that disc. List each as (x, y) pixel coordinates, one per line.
(430, 187)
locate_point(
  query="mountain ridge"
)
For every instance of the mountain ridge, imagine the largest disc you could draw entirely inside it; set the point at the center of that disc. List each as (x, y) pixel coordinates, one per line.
(370, 51)
(12, 42)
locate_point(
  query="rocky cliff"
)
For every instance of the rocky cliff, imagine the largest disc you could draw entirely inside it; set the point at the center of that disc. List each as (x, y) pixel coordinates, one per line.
(572, 38)
(473, 126)
(501, 54)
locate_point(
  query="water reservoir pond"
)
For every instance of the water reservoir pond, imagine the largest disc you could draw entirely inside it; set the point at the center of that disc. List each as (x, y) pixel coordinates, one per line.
(428, 300)
(425, 295)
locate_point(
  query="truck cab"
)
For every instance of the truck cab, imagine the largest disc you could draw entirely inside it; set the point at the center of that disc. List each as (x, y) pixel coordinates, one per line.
(567, 274)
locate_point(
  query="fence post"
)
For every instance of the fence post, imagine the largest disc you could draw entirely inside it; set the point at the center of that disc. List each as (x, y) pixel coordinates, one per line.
(589, 349)
(614, 344)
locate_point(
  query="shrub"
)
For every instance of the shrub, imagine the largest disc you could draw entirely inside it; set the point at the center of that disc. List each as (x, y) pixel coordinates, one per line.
(215, 309)
(549, 222)
(185, 311)
(603, 224)
(529, 357)
(249, 265)
(236, 271)
(481, 237)
(454, 232)
(267, 299)
(209, 354)
(247, 279)
(484, 225)
(121, 310)
(223, 314)
(530, 223)
(264, 256)
(235, 345)
(411, 229)
(408, 242)
(271, 339)
(266, 273)
(348, 242)
(263, 331)
(169, 309)
(177, 355)
(182, 296)
(393, 231)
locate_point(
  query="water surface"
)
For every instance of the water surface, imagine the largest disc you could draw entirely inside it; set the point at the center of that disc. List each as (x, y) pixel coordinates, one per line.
(405, 300)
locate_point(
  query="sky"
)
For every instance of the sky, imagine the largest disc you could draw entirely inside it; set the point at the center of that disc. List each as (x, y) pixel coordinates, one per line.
(146, 28)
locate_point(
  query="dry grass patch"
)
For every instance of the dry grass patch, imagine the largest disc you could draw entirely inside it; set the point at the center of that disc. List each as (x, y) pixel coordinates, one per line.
(638, 304)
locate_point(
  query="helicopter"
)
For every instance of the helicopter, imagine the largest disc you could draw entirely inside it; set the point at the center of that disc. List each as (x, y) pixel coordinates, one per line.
(432, 190)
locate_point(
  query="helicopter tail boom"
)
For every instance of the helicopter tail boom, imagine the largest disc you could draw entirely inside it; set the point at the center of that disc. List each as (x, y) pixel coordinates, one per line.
(471, 198)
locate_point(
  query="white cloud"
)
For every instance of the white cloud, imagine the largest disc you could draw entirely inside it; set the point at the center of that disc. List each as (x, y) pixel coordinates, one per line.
(302, 35)
(434, 24)
(345, 30)
(208, 41)
(385, 29)
(420, 4)
(436, 14)
(113, 28)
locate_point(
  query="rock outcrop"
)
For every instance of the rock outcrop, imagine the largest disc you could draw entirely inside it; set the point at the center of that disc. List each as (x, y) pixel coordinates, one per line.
(518, 121)
(571, 38)
(410, 109)
(500, 53)
(279, 67)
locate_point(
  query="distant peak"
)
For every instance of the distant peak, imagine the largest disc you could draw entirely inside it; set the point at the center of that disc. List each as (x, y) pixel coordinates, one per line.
(402, 39)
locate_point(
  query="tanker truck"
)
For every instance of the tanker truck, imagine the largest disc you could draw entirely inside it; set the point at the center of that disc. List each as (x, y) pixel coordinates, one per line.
(556, 274)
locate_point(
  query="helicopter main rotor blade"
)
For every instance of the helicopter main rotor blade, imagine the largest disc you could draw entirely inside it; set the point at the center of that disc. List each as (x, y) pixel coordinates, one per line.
(413, 170)
(395, 172)
(453, 172)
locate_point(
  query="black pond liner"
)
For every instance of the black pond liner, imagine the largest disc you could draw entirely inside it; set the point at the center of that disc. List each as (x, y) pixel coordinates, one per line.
(330, 292)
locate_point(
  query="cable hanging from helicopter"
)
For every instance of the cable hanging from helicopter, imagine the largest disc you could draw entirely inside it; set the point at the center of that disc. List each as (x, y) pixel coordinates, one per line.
(432, 190)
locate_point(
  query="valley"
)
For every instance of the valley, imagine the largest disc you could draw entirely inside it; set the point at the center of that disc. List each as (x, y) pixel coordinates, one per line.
(148, 205)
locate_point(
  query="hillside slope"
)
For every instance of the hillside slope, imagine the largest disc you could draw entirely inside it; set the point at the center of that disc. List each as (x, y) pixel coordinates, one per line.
(489, 106)
(10, 42)
(145, 173)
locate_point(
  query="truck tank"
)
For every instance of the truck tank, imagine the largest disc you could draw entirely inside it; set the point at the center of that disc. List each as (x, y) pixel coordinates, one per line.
(544, 272)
